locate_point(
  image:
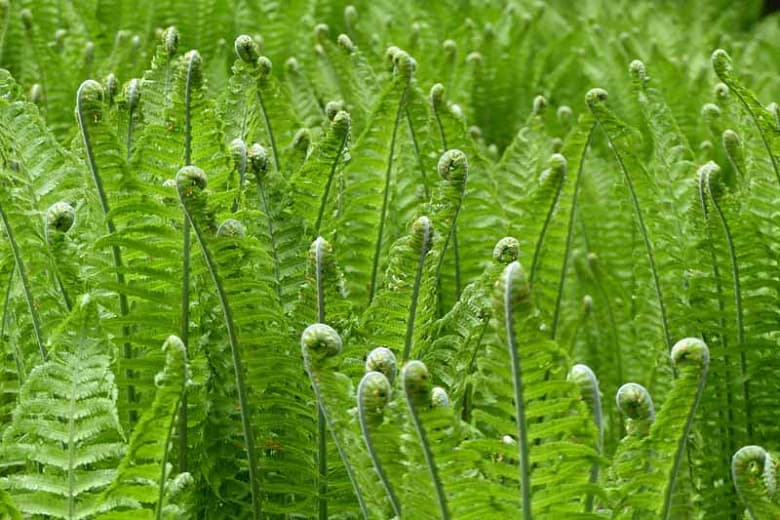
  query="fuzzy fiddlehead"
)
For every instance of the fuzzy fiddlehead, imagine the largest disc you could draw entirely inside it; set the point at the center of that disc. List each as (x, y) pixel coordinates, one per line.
(373, 394)
(515, 296)
(634, 401)
(708, 177)
(762, 119)
(238, 152)
(453, 168)
(416, 382)
(588, 385)
(320, 343)
(422, 233)
(754, 473)
(191, 182)
(735, 152)
(382, 360)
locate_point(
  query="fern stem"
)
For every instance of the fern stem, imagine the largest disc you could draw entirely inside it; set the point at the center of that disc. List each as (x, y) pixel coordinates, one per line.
(645, 238)
(364, 427)
(272, 238)
(418, 155)
(730, 434)
(678, 455)
(569, 234)
(184, 331)
(737, 303)
(315, 384)
(386, 195)
(425, 246)
(267, 122)
(517, 379)
(454, 229)
(163, 471)
(35, 318)
(426, 448)
(124, 308)
(322, 444)
(547, 220)
(238, 367)
(329, 182)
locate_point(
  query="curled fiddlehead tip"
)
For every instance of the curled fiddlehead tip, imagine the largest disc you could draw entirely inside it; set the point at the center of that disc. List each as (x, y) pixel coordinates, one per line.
(437, 97)
(112, 87)
(341, 123)
(539, 106)
(170, 41)
(345, 42)
(193, 67)
(90, 97)
(450, 47)
(133, 94)
(350, 14)
(557, 167)
(565, 115)
(634, 401)
(587, 304)
(190, 180)
(321, 31)
(238, 152)
(404, 65)
(246, 49)
(474, 58)
(292, 65)
(382, 359)
(320, 341)
(36, 94)
(89, 52)
(374, 391)
(27, 18)
(453, 166)
(439, 397)
(751, 465)
(583, 376)
(174, 343)
(258, 160)
(264, 66)
(135, 42)
(638, 71)
(596, 96)
(475, 132)
(556, 144)
(774, 111)
(710, 112)
(512, 286)
(302, 140)
(60, 217)
(708, 172)
(416, 382)
(721, 91)
(721, 62)
(422, 228)
(506, 250)
(231, 228)
(690, 351)
(333, 107)
(732, 144)
(390, 53)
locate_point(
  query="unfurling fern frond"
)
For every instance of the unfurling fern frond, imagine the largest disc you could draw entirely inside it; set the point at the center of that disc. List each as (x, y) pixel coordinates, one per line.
(754, 472)
(143, 483)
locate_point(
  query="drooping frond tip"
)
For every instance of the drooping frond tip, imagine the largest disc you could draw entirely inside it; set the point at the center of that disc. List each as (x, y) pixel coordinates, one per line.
(319, 341)
(506, 250)
(60, 217)
(453, 166)
(374, 392)
(382, 360)
(417, 382)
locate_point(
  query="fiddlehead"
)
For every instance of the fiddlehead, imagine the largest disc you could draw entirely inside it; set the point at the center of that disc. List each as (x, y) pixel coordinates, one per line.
(754, 473)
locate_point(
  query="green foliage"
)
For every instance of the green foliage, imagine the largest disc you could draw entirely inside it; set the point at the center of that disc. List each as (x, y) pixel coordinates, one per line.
(299, 200)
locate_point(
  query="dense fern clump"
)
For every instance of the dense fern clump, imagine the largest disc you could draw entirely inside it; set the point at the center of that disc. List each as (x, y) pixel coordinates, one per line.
(423, 260)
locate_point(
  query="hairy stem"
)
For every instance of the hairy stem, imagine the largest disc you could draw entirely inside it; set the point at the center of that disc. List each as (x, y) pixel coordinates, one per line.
(322, 426)
(386, 196)
(238, 367)
(425, 246)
